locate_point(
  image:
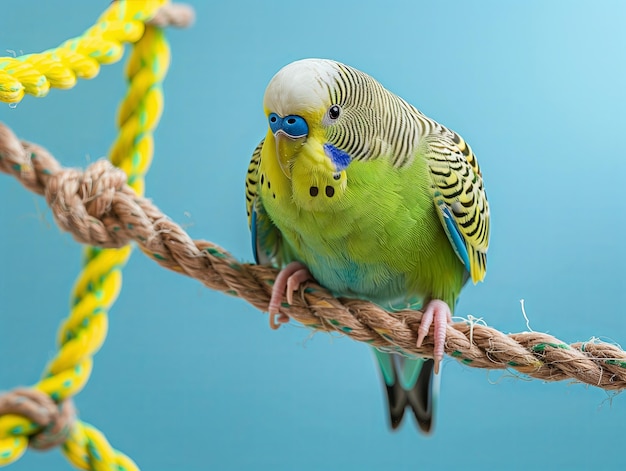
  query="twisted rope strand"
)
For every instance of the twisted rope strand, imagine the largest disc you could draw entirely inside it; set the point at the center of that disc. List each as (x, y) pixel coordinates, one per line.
(98, 208)
(81, 57)
(83, 332)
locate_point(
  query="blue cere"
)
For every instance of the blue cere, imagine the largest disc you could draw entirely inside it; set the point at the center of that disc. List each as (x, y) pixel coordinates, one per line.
(292, 125)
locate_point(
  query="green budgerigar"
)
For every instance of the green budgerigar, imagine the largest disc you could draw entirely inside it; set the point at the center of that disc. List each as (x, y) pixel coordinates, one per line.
(357, 189)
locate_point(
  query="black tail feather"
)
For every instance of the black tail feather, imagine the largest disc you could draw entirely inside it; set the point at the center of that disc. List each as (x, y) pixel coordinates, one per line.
(419, 399)
(397, 401)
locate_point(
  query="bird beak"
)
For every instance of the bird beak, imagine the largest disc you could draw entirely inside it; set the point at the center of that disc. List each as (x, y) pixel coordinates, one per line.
(286, 148)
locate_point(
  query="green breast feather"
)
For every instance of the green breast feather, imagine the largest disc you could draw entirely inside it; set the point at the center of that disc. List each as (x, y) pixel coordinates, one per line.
(374, 234)
(376, 199)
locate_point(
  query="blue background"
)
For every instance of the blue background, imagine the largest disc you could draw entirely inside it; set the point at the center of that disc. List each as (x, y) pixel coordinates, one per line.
(193, 379)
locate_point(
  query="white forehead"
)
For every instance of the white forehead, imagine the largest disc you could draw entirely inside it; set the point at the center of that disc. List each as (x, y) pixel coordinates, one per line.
(301, 86)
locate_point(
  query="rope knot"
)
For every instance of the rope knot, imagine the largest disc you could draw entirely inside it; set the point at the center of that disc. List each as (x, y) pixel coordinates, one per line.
(90, 201)
(56, 420)
(98, 186)
(58, 430)
(173, 14)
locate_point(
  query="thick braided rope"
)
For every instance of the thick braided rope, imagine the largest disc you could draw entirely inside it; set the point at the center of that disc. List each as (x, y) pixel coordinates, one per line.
(101, 277)
(80, 57)
(98, 208)
(84, 331)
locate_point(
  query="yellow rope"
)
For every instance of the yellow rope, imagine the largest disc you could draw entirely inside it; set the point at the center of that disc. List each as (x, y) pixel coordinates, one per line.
(80, 57)
(83, 332)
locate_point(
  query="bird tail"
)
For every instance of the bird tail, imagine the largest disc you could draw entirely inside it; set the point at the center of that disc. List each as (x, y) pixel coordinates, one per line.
(410, 383)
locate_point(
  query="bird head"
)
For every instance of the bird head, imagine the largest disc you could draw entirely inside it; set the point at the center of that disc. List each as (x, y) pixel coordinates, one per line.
(299, 107)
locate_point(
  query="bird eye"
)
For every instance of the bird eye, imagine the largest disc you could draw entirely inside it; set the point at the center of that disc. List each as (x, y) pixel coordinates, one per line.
(334, 111)
(273, 118)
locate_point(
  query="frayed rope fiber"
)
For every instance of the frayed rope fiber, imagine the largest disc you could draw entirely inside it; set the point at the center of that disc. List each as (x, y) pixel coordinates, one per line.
(98, 208)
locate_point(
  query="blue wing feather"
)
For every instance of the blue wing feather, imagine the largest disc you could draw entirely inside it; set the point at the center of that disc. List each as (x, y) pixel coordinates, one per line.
(454, 235)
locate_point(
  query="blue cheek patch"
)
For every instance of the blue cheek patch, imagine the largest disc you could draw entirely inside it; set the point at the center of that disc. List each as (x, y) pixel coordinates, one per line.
(338, 157)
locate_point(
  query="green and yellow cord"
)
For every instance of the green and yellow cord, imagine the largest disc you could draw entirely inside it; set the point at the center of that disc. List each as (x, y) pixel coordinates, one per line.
(83, 332)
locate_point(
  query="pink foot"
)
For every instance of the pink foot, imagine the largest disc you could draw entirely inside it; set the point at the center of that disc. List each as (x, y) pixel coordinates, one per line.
(289, 278)
(438, 311)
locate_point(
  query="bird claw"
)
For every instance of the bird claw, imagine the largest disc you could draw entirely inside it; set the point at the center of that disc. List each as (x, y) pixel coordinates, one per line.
(289, 279)
(277, 319)
(439, 312)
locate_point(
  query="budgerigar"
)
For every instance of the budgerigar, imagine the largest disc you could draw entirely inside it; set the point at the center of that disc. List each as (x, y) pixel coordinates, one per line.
(357, 189)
